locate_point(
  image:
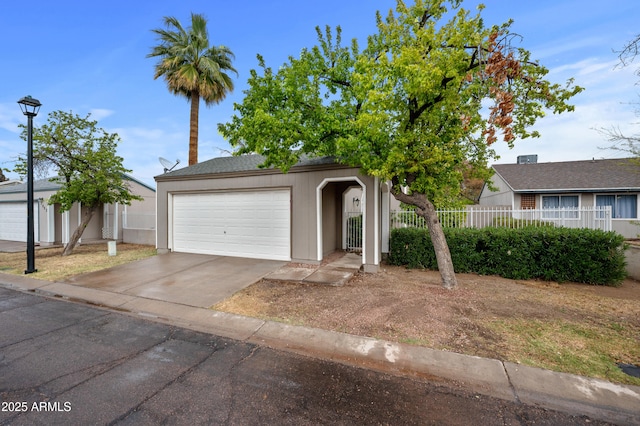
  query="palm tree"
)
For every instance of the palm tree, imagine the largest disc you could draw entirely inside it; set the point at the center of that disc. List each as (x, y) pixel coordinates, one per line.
(192, 68)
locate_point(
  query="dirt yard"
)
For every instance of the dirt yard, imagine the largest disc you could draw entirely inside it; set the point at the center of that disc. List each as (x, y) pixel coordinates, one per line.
(569, 327)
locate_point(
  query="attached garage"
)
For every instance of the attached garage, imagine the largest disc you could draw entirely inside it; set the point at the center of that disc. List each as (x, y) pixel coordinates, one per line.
(13, 221)
(233, 206)
(254, 224)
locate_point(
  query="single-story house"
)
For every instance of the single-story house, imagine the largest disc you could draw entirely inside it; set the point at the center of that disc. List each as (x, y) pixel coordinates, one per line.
(569, 184)
(231, 206)
(53, 227)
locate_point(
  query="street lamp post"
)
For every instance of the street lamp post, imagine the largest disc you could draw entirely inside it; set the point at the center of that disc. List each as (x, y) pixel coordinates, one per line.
(30, 108)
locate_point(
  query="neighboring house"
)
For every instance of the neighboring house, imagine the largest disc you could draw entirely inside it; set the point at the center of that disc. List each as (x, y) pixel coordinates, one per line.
(7, 183)
(230, 206)
(570, 184)
(53, 227)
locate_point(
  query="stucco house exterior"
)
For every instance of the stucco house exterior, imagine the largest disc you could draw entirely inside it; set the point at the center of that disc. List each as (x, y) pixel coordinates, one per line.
(231, 206)
(533, 185)
(54, 227)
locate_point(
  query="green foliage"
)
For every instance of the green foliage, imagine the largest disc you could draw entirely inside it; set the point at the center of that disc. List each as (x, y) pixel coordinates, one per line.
(408, 108)
(189, 64)
(192, 68)
(509, 222)
(84, 158)
(553, 254)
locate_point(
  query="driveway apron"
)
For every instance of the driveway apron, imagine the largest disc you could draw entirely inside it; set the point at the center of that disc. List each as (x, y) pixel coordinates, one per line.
(190, 279)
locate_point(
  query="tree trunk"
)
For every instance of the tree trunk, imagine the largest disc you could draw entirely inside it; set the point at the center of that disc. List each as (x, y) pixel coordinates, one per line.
(75, 237)
(193, 129)
(443, 255)
(426, 209)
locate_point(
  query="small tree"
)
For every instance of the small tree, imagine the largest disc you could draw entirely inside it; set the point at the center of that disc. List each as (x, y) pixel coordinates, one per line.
(87, 166)
(420, 106)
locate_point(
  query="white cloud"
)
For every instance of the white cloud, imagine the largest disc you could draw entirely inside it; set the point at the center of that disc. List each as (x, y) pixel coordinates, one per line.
(98, 113)
(559, 47)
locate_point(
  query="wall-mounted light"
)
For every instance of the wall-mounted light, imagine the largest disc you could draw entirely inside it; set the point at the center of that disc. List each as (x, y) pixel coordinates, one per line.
(356, 202)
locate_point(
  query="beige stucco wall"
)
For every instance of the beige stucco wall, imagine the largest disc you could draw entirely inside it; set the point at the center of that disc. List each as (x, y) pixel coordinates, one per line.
(304, 185)
(139, 236)
(632, 255)
(329, 220)
(626, 228)
(503, 196)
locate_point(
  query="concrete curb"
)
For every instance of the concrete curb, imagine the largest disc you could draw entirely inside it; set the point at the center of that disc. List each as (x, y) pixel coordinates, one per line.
(578, 395)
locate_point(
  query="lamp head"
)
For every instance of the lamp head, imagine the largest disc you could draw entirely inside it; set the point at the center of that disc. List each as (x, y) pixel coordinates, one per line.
(29, 106)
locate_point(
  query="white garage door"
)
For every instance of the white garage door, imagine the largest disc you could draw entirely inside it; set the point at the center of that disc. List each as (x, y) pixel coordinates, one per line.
(13, 221)
(253, 224)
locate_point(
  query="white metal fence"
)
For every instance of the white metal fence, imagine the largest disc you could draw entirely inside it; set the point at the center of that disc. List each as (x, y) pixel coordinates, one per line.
(480, 217)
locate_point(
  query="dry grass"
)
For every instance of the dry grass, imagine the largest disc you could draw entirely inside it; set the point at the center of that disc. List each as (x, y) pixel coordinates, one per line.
(52, 266)
(571, 328)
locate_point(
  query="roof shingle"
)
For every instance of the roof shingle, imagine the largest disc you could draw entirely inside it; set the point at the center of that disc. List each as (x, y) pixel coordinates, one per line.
(239, 164)
(591, 175)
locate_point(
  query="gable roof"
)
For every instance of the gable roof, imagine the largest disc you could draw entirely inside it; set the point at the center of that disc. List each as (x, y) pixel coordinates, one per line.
(244, 165)
(577, 176)
(38, 186)
(42, 185)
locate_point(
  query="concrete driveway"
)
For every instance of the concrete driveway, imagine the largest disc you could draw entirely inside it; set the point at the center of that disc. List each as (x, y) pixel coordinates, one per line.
(190, 279)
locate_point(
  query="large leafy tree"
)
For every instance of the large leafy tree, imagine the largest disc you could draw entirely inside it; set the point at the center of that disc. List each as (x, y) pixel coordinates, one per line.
(420, 106)
(83, 157)
(192, 68)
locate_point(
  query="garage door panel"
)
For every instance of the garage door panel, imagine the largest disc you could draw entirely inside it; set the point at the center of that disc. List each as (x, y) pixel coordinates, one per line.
(252, 224)
(13, 221)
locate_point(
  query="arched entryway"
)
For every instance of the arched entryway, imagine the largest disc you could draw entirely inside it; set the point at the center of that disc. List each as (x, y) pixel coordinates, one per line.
(331, 205)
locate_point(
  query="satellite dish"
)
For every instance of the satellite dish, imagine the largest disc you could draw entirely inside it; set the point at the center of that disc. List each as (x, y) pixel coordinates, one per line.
(168, 165)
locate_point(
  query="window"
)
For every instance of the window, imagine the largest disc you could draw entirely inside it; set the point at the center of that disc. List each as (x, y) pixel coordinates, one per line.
(558, 202)
(528, 201)
(622, 206)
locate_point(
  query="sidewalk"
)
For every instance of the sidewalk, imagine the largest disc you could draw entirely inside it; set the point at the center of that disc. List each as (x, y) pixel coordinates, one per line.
(578, 395)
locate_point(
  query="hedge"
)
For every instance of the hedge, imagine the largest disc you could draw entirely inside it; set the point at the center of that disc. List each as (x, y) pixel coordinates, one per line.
(552, 254)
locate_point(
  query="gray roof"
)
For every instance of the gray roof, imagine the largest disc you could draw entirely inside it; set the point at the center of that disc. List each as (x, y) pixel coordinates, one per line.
(38, 186)
(241, 164)
(591, 175)
(42, 185)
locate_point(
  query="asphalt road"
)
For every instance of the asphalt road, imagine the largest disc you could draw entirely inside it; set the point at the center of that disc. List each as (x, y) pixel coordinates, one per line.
(67, 363)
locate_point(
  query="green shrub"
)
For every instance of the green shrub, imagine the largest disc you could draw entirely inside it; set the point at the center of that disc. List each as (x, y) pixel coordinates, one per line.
(509, 222)
(549, 253)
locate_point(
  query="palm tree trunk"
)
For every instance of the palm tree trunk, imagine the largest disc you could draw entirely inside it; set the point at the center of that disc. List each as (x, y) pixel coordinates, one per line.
(193, 129)
(75, 237)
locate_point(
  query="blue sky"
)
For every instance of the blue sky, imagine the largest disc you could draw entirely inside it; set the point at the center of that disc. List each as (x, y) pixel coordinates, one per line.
(90, 57)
